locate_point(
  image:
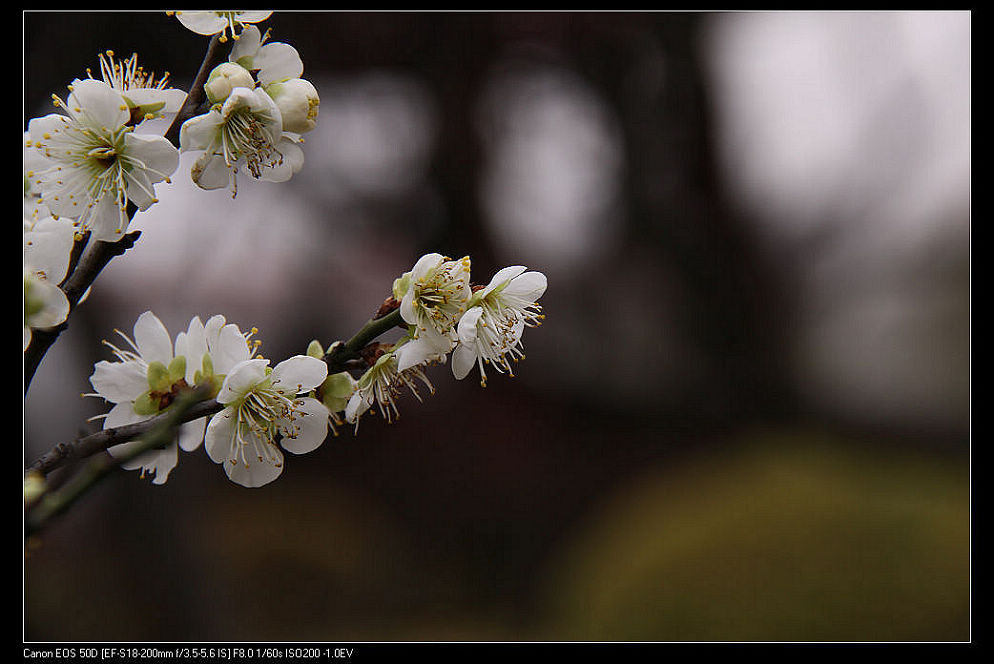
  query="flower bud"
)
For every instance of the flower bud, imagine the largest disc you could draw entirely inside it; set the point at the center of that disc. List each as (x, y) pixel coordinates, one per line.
(298, 102)
(224, 78)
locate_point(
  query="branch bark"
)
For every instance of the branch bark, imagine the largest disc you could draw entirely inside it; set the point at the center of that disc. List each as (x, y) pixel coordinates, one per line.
(157, 432)
(196, 96)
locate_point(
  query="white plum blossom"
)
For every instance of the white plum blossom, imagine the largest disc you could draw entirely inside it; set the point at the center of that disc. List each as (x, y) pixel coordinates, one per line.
(298, 101)
(433, 295)
(89, 165)
(214, 22)
(382, 383)
(47, 246)
(261, 405)
(271, 61)
(490, 330)
(144, 381)
(246, 130)
(211, 351)
(278, 68)
(147, 97)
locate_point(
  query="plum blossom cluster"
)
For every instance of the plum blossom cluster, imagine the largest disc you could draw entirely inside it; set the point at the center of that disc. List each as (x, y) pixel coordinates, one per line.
(260, 107)
(443, 313)
(291, 407)
(98, 161)
(264, 408)
(93, 164)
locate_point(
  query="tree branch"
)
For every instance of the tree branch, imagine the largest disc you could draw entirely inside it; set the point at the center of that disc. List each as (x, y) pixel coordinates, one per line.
(101, 440)
(158, 432)
(196, 96)
(340, 354)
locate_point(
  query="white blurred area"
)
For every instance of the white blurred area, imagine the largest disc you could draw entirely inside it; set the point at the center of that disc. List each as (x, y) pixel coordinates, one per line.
(550, 189)
(847, 136)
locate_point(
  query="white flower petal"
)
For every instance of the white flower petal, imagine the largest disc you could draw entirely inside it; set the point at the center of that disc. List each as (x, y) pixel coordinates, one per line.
(50, 302)
(119, 382)
(123, 414)
(198, 132)
(277, 62)
(467, 326)
(358, 404)
(202, 22)
(299, 373)
(157, 156)
(308, 429)
(503, 275)
(210, 171)
(228, 347)
(47, 247)
(463, 359)
(152, 339)
(530, 286)
(217, 437)
(256, 473)
(96, 104)
(242, 378)
(191, 434)
(246, 47)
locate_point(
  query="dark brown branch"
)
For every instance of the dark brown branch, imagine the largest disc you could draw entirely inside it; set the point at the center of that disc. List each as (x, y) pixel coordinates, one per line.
(97, 442)
(157, 433)
(196, 96)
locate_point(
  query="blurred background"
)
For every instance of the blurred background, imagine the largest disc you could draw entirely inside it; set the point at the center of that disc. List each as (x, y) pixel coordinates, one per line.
(746, 417)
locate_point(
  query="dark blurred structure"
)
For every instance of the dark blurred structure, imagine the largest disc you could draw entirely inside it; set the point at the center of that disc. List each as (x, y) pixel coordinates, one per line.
(708, 440)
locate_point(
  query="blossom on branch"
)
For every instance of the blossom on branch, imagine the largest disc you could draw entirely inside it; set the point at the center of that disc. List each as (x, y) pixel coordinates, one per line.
(245, 131)
(263, 406)
(143, 382)
(383, 382)
(490, 330)
(278, 69)
(433, 295)
(147, 97)
(214, 22)
(47, 245)
(89, 163)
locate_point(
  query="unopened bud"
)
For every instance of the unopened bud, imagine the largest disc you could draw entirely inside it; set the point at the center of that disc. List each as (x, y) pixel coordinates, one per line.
(224, 78)
(298, 102)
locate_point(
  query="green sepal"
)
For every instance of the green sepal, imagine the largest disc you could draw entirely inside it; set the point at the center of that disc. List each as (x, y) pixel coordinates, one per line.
(207, 365)
(400, 285)
(145, 405)
(314, 349)
(336, 390)
(158, 377)
(177, 369)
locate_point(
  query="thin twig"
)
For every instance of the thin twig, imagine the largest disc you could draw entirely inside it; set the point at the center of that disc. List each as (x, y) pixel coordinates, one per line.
(101, 440)
(196, 96)
(339, 355)
(160, 434)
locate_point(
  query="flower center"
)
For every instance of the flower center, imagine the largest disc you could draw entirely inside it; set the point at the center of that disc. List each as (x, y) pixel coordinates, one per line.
(244, 135)
(257, 422)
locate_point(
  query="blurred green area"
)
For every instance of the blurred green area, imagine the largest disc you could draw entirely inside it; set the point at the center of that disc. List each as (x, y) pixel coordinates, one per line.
(784, 539)
(767, 537)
